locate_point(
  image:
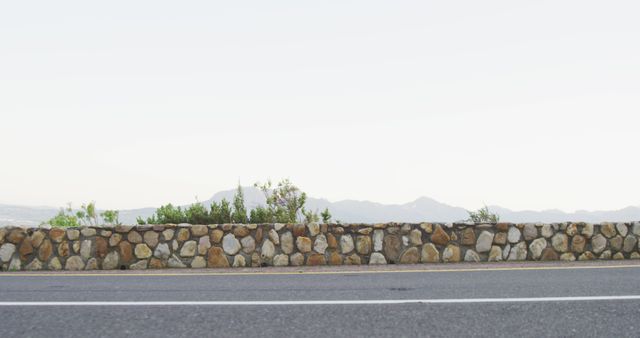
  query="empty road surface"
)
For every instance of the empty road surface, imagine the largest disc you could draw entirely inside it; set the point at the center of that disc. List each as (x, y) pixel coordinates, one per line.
(526, 300)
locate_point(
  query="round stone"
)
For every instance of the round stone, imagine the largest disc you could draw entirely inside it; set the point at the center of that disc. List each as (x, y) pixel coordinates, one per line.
(316, 259)
(485, 240)
(230, 244)
(73, 234)
(569, 257)
(297, 259)
(115, 239)
(518, 252)
(392, 247)
(440, 236)
(199, 262)
(513, 236)
(175, 262)
(273, 236)
(546, 231)
(314, 229)
(162, 251)
(268, 250)
(629, 243)
(560, 242)
(34, 265)
(471, 256)
(363, 244)
(142, 251)
(608, 229)
(6, 251)
(216, 236)
(203, 245)
(530, 231)
(74, 263)
(248, 244)
(598, 243)
(280, 260)
(239, 261)
(587, 230)
(377, 259)
(188, 249)
(286, 243)
(415, 237)
(410, 256)
(430, 253)
(451, 254)
(378, 236)
(572, 229)
(578, 243)
(303, 244)
(216, 258)
(495, 254)
(151, 238)
(536, 247)
(140, 265)
(88, 232)
(346, 244)
(320, 245)
(622, 229)
(134, 237)
(199, 230)
(110, 261)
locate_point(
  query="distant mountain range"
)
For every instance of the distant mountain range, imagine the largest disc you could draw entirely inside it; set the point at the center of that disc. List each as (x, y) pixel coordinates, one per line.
(421, 210)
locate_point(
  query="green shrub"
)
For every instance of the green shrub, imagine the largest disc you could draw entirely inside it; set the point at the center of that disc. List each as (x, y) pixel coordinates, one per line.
(285, 204)
(483, 215)
(87, 216)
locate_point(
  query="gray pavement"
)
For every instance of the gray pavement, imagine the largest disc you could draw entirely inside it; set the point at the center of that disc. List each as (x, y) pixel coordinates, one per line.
(620, 318)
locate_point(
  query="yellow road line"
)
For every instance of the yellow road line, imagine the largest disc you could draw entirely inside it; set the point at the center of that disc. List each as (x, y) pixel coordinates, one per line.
(302, 272)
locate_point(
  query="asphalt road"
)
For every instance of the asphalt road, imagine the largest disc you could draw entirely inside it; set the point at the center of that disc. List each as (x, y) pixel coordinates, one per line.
(236, 302)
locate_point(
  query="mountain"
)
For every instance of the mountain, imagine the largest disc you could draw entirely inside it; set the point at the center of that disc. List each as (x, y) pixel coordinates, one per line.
(420, 210)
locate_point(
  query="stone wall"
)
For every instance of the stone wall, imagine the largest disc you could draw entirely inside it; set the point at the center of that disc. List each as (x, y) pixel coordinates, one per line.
(232, 245)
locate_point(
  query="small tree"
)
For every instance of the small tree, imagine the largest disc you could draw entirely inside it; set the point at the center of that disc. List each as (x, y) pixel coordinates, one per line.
(239, 214)
(197, 214)
(259, 214)
(169, 214)
(285, 202)
(111, 217)
(65, 218)
(326, 216)
(483, 215)
(310, 216)
(225, 211)
(87, 216)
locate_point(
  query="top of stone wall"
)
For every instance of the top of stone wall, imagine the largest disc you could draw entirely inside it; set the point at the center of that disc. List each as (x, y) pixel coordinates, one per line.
(451, 225)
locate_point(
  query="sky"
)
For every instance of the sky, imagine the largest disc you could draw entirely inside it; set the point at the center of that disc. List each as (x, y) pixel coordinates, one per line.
(522, 104)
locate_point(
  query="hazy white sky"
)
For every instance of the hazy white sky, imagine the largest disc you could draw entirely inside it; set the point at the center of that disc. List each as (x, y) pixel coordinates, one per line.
(525, 104)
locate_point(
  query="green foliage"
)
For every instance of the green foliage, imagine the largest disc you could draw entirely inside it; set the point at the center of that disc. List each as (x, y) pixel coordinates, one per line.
(285, 202)
(170, 214)
(197, 214)
(326, 216)
(218, 213)
(65, 218)
(110, 217)
(483, 215)
(239, 214)
(87, 216)
(260, 215)
(310, 216)
(225, 212)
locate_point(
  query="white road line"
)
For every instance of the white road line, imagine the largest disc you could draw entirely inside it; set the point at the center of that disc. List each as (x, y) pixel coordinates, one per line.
(327, 302)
